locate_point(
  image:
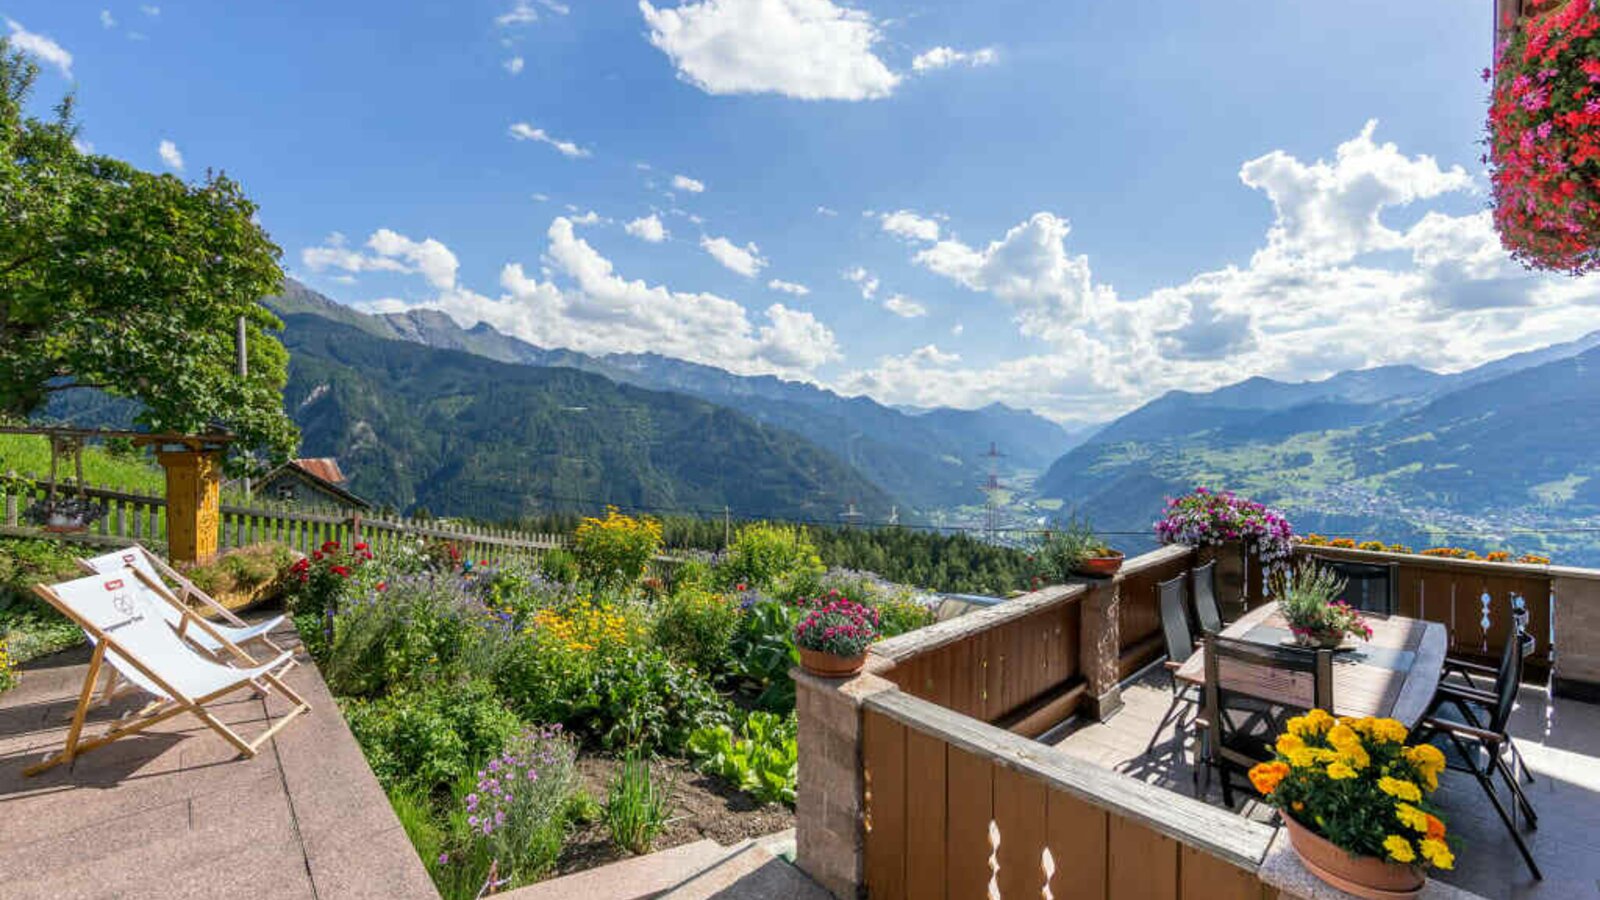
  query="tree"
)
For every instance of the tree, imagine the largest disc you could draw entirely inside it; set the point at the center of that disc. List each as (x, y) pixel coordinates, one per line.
(131, 282)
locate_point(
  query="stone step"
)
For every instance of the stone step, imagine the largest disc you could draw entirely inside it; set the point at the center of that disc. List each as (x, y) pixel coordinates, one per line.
(750, 872)
(630, 879)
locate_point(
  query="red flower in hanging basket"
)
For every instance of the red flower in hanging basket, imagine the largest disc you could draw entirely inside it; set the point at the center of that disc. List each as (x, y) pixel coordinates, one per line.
(1544, 137)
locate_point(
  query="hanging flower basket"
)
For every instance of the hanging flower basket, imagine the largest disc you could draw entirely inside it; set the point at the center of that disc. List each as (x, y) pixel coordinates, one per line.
(1544, 137)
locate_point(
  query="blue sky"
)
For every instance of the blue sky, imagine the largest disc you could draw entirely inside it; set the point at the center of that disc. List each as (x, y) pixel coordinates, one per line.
(1068, 206)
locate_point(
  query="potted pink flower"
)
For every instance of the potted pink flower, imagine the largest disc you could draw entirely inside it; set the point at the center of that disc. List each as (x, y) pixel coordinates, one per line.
(833, 638)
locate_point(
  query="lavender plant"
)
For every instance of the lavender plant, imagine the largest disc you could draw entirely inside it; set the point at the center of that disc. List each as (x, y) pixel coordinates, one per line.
(517, 811)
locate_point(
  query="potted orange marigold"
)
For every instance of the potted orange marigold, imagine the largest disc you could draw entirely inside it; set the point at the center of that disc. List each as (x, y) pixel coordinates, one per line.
(1354, 800)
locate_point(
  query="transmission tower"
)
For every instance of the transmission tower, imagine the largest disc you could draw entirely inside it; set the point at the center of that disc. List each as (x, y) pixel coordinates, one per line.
(851, 516)
(991, 494)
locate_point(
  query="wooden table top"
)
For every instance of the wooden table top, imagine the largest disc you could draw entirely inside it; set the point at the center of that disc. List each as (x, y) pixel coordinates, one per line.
(1394, 675)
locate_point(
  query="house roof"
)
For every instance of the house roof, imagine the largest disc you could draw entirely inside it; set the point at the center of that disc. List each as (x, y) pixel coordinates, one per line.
(323, 467)
(324, 473)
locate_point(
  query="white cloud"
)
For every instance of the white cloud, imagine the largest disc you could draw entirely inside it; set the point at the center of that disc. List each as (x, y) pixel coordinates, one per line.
(904, 307)
(390, 252)
(1332, 287)
(866, 281)
(520, 13)
(170, 155)
(685, 183)
(542, 198)
(151, 11)
(957, 329)
(945, 57)
(37, 45)
(514, 65)
(908, 224)
(647, 228)
(583, 304)
(107, 20)
(745, 260)
(788, 287)
(825, 211)
(522, 131)
(589, 218)
(932, 355)
(807, 49)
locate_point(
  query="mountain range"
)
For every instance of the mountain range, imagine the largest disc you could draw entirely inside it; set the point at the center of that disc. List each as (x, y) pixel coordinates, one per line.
(924, 459)
(1500, 455)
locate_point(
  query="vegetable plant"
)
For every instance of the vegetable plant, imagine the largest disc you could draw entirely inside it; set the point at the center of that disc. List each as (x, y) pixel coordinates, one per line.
(761, 758)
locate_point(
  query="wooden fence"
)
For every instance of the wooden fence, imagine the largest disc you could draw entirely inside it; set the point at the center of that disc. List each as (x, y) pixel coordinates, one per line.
(134, 516)
(956, 808)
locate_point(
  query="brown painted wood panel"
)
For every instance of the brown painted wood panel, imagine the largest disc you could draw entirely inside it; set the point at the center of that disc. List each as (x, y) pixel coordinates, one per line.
(1019, 811)
(884, 752)
(1143, 863)
(967, 830)
(1205, 877)
(1076, 835)
(926, 786)
(1410, 593)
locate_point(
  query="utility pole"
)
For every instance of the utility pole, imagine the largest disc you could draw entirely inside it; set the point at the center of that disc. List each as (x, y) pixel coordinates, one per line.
(727, 526)
(991, 494)
(894, 515)
(242, 364)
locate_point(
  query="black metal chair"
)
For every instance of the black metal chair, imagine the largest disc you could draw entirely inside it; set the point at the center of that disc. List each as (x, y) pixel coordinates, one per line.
(1472, 702)
(1251, 690)
(1481, 749)
(1206, 611)
(1172, 603)
(1369, 587)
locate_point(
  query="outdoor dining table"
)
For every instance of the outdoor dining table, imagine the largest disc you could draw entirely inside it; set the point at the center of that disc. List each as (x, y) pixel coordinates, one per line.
(1393, 675)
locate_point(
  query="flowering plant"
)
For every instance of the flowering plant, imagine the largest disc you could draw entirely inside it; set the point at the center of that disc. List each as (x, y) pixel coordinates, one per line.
(517, 811)
(1216, 517)
(1317, 540)
(317, 582)
(1544, 137)
(616, 549)
(8, 670)
(1356, 783)
(1306, 601)
(840, 627)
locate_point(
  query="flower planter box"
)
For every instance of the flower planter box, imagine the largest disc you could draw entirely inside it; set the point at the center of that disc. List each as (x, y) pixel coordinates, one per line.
(827, 665)
(1364, 876)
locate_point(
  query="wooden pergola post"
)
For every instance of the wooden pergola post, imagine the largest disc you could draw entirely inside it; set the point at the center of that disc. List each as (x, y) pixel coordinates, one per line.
(1506, 14)
(194, 497)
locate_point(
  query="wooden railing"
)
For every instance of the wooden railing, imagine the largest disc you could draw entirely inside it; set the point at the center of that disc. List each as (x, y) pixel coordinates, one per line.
(133, 516)
(956, 808)
(1138, 606)
(1015, 663)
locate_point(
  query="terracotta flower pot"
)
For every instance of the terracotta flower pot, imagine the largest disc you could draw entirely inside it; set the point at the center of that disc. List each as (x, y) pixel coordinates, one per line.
(820, 662)
(1100, 566)
(1364, 876)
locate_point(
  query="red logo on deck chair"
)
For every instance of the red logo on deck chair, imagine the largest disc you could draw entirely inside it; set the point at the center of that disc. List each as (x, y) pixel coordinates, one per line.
(114, 585)
(128, 558)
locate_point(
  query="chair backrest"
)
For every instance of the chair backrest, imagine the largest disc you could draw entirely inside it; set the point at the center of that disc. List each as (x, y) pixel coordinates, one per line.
(118, 562)
(120, 607)
(1369, 587)
(1508, 680)
(1251, 689)
(1206, 609)
(1173, 599)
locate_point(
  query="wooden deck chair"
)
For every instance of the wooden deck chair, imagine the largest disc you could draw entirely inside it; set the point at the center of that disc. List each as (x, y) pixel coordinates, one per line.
(159, 576)
(130, 635)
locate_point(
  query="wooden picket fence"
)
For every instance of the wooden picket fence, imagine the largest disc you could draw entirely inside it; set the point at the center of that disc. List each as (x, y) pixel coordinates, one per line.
(134, 516)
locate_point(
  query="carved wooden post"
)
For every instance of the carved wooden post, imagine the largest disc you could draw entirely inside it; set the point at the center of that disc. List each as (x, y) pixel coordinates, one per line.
(194, 494)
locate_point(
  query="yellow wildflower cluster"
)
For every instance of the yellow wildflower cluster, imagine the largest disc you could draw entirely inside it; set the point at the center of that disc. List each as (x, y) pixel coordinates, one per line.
(615, 550)
(1347, 776)
(8, 668)
(588, 627)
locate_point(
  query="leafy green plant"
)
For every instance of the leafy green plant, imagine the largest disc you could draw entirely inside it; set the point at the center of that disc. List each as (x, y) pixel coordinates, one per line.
(1058, 554)
(30, 627)
(412, 631)
(761, 759)
(518, 807)
(764, 652)
(696, 626)
(560, 566)
(242, 570)
(1307, 599)
(779, 559)
(636, 805)
(428, 738)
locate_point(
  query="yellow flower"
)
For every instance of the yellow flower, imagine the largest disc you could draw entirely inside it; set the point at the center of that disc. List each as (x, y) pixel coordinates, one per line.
(1302, 757)
(1400, 790)
(1399, 848)
(1411, 817)
(1438, 852)
(1389, 731)
(1266, 776)
(1339, 771)
(1289, 742)
(1343, 737)
(1426, 757)
(1312, 723)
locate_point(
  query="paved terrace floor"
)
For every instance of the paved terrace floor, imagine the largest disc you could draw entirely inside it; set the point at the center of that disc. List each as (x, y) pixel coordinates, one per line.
(174, 813)
(1559, 739)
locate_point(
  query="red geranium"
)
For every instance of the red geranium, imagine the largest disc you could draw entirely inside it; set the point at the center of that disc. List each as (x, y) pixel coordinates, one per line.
(1544, 137)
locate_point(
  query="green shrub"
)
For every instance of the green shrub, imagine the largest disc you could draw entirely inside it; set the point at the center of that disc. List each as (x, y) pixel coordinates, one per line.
(428, 738)
(29, 626)
(615, 550)
(636, 806)
(761, 759)
(517, 809)
(242, 570)
(764, 652)
(627, 697)
(560, 566)
(777, 559)
(413, 631)
(696, 626)
(898, 614)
